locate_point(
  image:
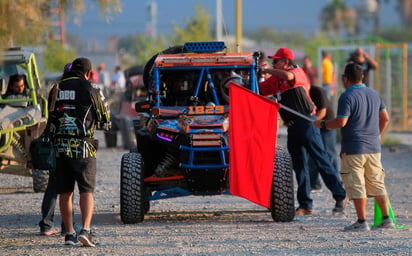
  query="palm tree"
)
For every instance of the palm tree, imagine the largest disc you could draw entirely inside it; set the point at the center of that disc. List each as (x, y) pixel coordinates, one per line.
(336, 15)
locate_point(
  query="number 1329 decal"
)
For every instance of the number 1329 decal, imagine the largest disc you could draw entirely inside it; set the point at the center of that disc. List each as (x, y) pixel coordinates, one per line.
(205, 110)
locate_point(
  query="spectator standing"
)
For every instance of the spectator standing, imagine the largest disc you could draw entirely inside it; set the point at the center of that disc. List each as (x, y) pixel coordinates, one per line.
(360, 57)
(327, 74)
(362, 117)
(289, 84)
(310, 71)
(118, 80)
(79, 110)
(103, 75)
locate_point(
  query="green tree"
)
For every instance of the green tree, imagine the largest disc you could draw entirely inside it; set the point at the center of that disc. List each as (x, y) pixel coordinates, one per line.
(196, 29)
(21, 22)
(27, 22)
(56, 56)
(148, 46)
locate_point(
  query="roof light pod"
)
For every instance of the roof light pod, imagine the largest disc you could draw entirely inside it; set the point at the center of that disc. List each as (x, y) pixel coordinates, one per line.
(200, 47)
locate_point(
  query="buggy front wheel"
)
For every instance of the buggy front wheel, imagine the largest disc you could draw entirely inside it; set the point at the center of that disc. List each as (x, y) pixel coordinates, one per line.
(282, 205)
(132, 201)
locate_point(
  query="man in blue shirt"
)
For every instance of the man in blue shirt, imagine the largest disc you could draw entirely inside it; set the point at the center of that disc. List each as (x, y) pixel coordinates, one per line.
(363, 117)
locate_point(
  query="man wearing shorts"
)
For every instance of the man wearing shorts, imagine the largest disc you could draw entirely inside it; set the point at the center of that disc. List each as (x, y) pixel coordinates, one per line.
(78, 111)
(363, 117)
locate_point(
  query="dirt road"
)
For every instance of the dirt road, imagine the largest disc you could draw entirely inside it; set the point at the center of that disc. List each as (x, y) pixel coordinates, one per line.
(215, 225)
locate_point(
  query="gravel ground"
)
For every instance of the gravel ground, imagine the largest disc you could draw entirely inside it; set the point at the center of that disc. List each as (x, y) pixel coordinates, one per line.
(212, 225)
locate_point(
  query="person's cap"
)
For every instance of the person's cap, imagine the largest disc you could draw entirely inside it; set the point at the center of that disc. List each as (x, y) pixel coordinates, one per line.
(283, 53)
(82, 64)
(67, 67)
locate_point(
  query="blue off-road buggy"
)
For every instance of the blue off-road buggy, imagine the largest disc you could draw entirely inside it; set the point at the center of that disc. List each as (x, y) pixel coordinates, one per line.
(182, 131)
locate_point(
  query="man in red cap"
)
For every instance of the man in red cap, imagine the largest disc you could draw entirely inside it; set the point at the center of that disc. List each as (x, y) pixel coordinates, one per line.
(289, 84)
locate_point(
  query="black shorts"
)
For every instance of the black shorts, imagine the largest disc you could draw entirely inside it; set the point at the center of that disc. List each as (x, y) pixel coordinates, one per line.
(71, 170)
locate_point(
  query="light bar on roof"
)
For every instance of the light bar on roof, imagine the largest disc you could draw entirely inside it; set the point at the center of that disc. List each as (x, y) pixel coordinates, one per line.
(204, 60)
(205, 46)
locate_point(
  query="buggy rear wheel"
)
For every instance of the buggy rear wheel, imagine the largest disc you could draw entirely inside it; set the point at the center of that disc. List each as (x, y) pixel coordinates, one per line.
(282, 205)
(132, 202)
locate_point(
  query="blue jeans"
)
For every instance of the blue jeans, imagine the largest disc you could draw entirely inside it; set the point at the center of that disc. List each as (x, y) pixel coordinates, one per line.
(329, 141)
(303, 139)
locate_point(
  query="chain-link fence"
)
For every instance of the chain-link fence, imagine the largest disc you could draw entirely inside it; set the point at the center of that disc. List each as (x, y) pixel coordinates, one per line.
(392, 79)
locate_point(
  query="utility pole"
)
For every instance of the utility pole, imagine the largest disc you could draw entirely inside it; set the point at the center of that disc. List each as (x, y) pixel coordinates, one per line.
(151, 19)
(239, 25)
(219, 23)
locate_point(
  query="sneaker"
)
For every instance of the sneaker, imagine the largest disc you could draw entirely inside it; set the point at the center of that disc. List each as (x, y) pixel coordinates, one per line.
(357, 227)
(301, 211)
(339, 206)
(386, 223)
(71, 239)
(85, 238)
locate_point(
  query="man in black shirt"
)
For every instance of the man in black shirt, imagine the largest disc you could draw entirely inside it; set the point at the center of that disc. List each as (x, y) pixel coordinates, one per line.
(78, 112)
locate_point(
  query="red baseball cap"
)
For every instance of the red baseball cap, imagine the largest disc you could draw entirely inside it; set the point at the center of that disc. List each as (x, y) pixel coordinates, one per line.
(283, 52)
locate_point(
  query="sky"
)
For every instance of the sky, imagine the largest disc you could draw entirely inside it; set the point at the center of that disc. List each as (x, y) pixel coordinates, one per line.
(291, 15)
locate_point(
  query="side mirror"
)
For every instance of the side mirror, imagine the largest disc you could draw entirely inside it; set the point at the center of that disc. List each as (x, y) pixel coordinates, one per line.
(143, 106)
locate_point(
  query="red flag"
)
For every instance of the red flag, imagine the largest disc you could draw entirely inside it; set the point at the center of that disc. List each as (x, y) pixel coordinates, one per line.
(252, 138)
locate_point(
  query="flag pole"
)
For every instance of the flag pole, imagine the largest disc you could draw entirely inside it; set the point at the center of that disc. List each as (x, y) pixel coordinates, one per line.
(272, 97)
(296, 113)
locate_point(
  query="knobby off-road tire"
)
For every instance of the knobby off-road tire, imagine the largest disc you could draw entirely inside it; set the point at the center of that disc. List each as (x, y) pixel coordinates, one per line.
(282, 205)
(132, 205)
(40, 180)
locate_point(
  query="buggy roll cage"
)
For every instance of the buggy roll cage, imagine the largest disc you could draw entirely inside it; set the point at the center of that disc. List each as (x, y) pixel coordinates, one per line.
(204, 57)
